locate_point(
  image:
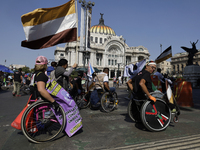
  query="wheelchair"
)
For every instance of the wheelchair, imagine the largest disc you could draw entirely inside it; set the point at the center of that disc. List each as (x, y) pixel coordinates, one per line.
(154, 116)
(39, 124)
(106, 101)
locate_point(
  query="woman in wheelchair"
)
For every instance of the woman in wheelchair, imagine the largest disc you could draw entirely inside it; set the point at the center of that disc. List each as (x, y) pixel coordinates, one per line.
(39, 80)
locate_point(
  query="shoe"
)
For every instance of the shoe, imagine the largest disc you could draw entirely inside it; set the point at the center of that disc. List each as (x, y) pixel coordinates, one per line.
(18, 95)
(13, 94)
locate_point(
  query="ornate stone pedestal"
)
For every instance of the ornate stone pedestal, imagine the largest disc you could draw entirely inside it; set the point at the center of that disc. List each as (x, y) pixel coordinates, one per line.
(191, 74)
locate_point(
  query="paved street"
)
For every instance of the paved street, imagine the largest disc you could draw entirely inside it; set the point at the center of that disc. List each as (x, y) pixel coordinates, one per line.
(113, 130)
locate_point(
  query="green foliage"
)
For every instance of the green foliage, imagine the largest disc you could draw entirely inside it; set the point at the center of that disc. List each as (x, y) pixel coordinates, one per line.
(26, 69)
(32, 70)
(74, 74)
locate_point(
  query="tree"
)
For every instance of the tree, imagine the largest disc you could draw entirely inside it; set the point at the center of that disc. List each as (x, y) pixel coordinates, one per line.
(26, 69)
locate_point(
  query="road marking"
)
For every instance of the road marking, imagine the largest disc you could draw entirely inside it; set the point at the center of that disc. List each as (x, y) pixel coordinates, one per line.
(7, 125)
(185, 142)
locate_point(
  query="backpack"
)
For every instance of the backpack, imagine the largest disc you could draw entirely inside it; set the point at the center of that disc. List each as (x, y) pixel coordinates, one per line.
(52, 76)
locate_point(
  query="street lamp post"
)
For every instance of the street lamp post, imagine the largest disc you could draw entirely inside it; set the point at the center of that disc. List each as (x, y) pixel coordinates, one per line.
(86, 6)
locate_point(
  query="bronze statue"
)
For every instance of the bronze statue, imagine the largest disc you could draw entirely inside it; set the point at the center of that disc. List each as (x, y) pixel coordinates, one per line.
(101, 20)
(192, 51)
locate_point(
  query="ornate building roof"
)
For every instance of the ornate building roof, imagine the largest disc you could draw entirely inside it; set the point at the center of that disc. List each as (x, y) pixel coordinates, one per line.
(102, 28)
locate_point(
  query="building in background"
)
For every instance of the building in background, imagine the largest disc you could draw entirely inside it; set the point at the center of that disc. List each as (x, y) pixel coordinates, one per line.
(179, 61)
(15, 66)
(165, 67)
(106, 50)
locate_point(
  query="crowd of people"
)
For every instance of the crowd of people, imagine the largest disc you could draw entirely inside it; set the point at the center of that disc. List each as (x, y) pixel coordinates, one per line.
(58, 72)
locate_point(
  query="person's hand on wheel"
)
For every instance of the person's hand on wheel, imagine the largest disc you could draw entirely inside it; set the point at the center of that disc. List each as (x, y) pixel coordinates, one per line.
(55, 106)
(152, 98)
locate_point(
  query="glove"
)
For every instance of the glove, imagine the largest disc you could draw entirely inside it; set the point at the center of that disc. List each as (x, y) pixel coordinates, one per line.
(152, 98)
(56, 106)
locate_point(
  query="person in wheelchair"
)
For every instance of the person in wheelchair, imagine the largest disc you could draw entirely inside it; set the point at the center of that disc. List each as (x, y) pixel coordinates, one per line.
(102, 79)
(77, 87)
(103, 76)
(142, 82)
(39, 80)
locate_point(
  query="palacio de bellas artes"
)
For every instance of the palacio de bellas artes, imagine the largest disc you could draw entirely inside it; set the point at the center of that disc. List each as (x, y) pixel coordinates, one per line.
(106, 50)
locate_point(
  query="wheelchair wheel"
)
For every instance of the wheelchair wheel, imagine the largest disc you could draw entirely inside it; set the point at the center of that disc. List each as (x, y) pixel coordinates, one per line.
(82, 102)
(133, 111)
(157, 116)
(39, 124)
(108, 101)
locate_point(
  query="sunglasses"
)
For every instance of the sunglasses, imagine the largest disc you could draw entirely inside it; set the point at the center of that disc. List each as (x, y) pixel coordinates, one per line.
(153, 67)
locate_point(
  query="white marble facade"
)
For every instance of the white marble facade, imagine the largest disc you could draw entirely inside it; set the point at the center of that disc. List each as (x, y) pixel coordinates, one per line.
(107, 50)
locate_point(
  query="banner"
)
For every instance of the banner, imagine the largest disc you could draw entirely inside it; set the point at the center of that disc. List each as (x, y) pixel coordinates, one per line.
(88, 17)
(62, 97)
(82, 27)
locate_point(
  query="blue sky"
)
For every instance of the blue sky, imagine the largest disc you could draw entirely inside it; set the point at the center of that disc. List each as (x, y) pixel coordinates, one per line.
(141, 22)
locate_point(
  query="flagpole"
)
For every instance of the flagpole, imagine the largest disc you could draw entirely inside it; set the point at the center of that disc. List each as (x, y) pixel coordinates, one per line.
(76, 33)
(160, 48)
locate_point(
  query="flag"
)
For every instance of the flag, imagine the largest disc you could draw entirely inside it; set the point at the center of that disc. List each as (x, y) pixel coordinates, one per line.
(45, 27)
(170, 95)
(88, 17)
(164, 55)
(82, 29)
(90, 71)
(126, 74)
(140, 65)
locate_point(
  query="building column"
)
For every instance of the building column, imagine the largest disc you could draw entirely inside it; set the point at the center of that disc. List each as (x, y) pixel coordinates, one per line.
(73, 56)
(69, 58)
(104, 61)
(80, 58)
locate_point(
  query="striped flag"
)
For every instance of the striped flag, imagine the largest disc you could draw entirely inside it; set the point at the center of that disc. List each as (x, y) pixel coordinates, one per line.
(164, 55)
(46, 27)
(170, 95)
(90, 71)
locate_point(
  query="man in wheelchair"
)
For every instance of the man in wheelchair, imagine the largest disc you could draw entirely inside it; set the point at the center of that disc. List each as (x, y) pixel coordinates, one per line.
(101, 83)
(141, 84)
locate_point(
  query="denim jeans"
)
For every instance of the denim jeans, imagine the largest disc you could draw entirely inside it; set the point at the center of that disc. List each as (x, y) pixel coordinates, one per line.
(112, 89)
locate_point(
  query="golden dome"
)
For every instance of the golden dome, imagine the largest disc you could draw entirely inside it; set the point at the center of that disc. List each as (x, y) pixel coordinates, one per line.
(101, 28)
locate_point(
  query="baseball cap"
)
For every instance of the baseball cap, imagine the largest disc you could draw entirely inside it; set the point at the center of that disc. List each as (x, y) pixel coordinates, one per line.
(41, 60)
